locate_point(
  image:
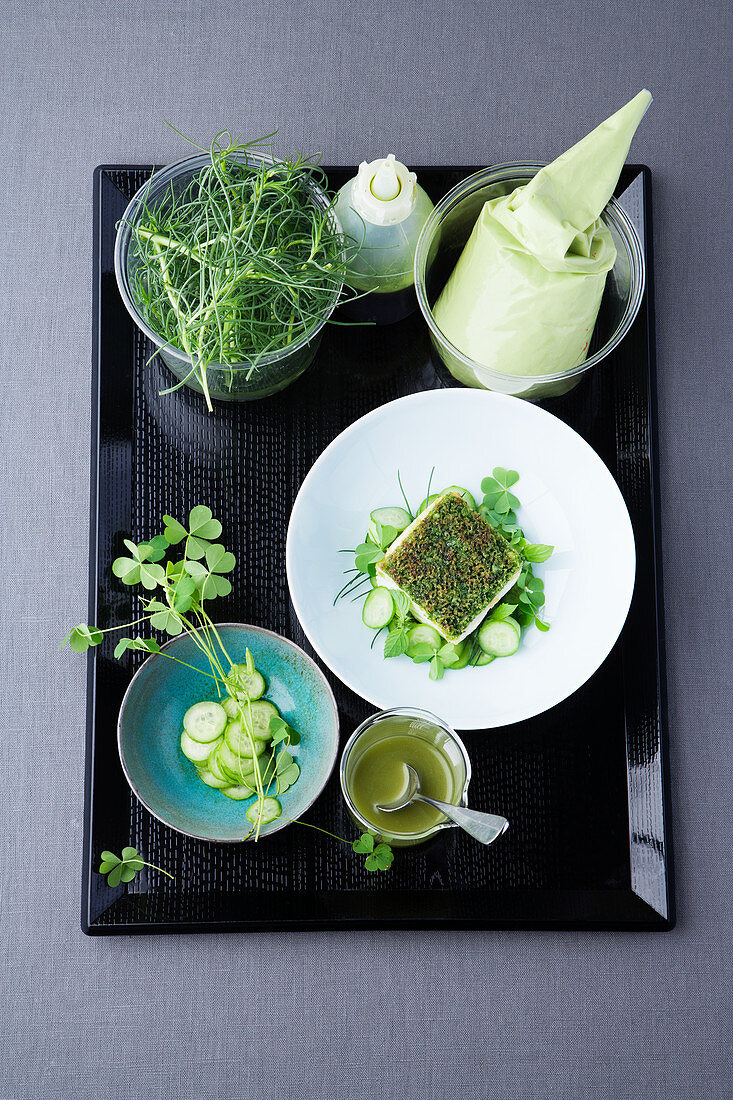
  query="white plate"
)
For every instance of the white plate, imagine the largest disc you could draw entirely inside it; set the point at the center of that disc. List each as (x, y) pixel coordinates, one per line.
(568, 498)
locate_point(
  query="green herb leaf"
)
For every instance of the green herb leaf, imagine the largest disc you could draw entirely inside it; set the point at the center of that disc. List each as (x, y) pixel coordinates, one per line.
(219, 560)
(127, 569)
(537, 551)
(173, 532)
(401, 603)
(123, 869)
(182, 594)
(436, 668)
(214, 586)
(448, 656)
(422, 652)
(287, 776)
(380, 859)
(201, 523)
(83, 637)
(364, 844)
(157, 548)
(166, 620)
(395, 643)
(501, 612)
(367, 554)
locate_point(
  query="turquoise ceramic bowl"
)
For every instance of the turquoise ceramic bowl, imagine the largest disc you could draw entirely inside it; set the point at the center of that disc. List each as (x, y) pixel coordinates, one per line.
(151, 720)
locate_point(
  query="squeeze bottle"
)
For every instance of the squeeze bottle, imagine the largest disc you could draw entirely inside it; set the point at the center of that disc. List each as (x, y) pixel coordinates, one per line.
(382, 211)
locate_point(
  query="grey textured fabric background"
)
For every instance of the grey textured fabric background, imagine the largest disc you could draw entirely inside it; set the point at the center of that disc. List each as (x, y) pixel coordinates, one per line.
(476, 1016)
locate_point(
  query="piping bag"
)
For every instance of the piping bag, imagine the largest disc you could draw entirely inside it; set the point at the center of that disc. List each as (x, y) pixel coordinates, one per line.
(524, 295)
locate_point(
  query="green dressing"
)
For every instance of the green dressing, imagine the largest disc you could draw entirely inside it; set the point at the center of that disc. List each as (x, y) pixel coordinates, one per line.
(376, 774)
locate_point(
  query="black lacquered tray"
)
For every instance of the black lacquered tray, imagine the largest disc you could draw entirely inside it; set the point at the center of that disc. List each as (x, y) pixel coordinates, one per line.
(582, 785)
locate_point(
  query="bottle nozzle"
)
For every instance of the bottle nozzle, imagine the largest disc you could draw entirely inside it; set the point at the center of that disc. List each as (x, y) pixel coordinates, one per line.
(385, 183)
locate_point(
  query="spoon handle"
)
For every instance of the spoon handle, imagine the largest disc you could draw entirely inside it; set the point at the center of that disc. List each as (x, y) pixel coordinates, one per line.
(483, 827)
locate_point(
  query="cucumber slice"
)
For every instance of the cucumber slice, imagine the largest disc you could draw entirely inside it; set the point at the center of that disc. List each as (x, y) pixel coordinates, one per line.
(215, 768)
(210, 779)
(427, 502)
(238, 739)
(392, 517)
(239, 793)
(271, 809)
(231, 706)
(501, 638)
(205, 722)
(194, 750)
(482, 658)
(251, 684)
(378, 608)
(231, 763)
(262, 712)
(231, 774)
(422, 634)
(464, 493)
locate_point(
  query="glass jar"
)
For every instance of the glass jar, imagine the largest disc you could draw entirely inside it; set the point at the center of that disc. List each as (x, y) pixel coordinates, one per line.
(245, 381)
(374, 736)
(442, 241)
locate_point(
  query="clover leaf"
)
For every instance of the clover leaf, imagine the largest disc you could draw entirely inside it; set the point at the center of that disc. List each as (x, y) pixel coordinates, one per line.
(497, 497)
(164, 618)
(366, 554)
(147, 645)
(201, 523)
(173, 531)
(380, 859)
(124, 868)
(281, 731)
(364, 845)
(83, 637)
(138, 569)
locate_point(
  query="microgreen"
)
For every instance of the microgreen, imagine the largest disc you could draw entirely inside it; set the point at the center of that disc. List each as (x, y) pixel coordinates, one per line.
(123, 868)
(240, 263)
(379, 857)
(366, 554)
(395, 643)
(496, 490)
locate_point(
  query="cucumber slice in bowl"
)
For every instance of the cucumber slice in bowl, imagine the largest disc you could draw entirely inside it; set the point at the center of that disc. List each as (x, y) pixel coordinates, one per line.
(211, 780)
(500, 638)
(239, 793)
(239, 741)
(205, 722)
(378, 608)
(271, 809)
(195, 751)
(262, 712)
(251, 684)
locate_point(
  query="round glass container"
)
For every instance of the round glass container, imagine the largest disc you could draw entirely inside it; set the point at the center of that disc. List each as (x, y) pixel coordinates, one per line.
(389, 732)
(442, 240)
(245, 381)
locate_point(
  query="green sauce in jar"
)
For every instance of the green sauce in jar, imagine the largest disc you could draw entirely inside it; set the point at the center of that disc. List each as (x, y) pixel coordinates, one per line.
(375, 774)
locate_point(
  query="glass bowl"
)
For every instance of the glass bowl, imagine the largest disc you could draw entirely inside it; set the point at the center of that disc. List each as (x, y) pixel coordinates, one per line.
(245, 381)
(442, 240)
(422, 724)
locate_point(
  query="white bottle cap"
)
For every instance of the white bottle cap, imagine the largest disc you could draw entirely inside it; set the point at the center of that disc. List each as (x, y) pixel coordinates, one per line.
(384, 191)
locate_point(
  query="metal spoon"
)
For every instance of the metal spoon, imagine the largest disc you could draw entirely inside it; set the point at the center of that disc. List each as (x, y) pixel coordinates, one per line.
(483, 827)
